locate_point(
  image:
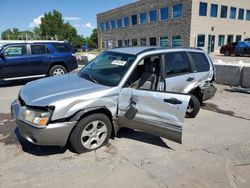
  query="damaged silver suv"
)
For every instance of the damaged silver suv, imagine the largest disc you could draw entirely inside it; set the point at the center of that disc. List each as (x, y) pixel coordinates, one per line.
(143, 88)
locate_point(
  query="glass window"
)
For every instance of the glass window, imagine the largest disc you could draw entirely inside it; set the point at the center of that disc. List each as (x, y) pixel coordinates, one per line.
(113, 24)
(143, 42)
(134, 42)
(233, 13)
(241, 14)
(214, 10)
(176, 41)
(152, 41)
(38, 49)
(17, 50)
(153, 16)
(201, 41)
(134, 19)
(203, 9)
(119, 42)
(107, 25)
(176, 63)
(164, 41)
(248, 15)
(143, 18)
(62, 47)
(108, 68)
(126, 21)
(119, 23)
(126, 42)
(177, 11)
(221, 39)
(223, 13)
(164, 13)
(230, 39)
(200, 61)
(238, 38)
(102, 27)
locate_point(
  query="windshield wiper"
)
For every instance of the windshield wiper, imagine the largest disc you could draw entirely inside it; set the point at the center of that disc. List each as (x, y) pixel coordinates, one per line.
(91, 78)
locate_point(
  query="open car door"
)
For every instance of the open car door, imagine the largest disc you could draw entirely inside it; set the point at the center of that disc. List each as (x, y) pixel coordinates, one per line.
(155, 112)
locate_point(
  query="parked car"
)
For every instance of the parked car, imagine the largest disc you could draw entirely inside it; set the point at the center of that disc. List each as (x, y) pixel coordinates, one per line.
(35, 59)
(143, 88)
(237, 48)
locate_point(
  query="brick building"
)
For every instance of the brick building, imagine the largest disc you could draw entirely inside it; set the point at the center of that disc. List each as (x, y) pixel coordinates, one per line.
(195, 23)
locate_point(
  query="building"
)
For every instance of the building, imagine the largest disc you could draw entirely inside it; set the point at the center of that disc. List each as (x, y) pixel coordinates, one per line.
(187, 23)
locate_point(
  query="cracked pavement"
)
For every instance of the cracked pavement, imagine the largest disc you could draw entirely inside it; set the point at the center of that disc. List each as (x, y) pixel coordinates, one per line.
(215, 153)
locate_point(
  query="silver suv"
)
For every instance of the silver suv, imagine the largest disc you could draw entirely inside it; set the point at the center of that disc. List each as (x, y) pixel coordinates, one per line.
(143, 88)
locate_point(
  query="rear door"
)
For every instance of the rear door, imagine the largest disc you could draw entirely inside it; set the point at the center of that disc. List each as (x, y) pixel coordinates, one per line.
(15, 61)
(158, 113)
(179, 72)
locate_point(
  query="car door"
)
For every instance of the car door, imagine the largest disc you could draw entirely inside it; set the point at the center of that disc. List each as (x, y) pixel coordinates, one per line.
(179, 73)
(39, 60)
(15, 61)
(159, 113)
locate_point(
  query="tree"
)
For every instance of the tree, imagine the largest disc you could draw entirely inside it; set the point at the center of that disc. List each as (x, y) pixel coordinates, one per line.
(94, 37)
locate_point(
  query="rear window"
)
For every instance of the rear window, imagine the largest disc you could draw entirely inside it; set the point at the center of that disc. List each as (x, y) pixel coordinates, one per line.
(62, 47)
(176, 63)
(200, 61)
(38, 49)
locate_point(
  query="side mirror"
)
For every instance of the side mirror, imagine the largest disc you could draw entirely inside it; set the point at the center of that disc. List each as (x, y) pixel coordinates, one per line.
(1, 55)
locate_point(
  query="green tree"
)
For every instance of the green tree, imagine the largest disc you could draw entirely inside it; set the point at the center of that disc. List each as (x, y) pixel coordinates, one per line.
(94, 37)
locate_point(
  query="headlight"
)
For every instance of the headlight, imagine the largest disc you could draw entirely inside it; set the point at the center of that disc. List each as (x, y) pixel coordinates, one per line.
(36, 117)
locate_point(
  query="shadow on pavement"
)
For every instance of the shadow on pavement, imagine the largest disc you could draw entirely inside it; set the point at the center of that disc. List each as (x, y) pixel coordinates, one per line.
(142, 137)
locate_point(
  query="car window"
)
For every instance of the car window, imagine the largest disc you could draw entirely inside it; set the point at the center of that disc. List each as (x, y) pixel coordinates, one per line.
(176, 63)
(17, 50)
(200, 61)
(38, 49)
(62, 47)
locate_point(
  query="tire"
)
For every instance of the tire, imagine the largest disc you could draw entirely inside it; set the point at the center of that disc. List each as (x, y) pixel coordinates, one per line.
(193, 107)
(227, 53)
(57, 70)
(85, 136)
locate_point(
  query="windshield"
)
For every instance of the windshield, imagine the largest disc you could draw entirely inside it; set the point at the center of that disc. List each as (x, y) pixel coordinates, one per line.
(108, 68)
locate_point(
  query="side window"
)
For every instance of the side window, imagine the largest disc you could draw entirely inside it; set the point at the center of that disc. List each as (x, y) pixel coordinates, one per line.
(200, 61)
(17, 50)
(38, 49)
(61, 47)
(176, 63)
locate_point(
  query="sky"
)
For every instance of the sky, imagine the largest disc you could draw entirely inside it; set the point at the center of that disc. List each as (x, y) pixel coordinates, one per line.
(25, 14)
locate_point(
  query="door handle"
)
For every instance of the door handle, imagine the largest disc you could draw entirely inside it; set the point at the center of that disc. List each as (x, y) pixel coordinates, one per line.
(173, 101)
(190, 79)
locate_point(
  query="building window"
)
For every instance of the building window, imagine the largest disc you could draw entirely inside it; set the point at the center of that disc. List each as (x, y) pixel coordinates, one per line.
(119, 42)
(107, 25)
(164, 41)
(177, 11)
(238, 38)
(102, 27)
(230, 39)
(241, 14)
(214, 10)
(221, 40)
(176, 41)
(134, 19)
(203, 9)
(113, 24)
(223, 13)
(126, 42)
(164, 13)
(134, 42)
(248, 15)
(143, 18)
(153, 16)
(143, 42)
(126, 21)
(201, 41)
(152, 41)
(233, 13)
(119, 23)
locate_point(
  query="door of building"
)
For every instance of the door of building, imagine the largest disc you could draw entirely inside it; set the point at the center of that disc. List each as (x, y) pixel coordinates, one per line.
(211, 43)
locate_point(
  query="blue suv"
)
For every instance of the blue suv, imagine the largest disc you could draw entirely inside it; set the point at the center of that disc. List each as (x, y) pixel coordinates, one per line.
(36, 59)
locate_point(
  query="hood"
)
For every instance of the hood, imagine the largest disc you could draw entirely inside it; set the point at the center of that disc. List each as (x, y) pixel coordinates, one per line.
(45, 91)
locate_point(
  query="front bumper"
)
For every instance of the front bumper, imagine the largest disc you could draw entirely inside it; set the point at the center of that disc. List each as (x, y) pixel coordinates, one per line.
(55, 134)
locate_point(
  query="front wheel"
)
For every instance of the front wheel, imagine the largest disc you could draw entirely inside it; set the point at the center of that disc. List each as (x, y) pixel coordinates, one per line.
(193, 107)
(57, 70)
(91, 133)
